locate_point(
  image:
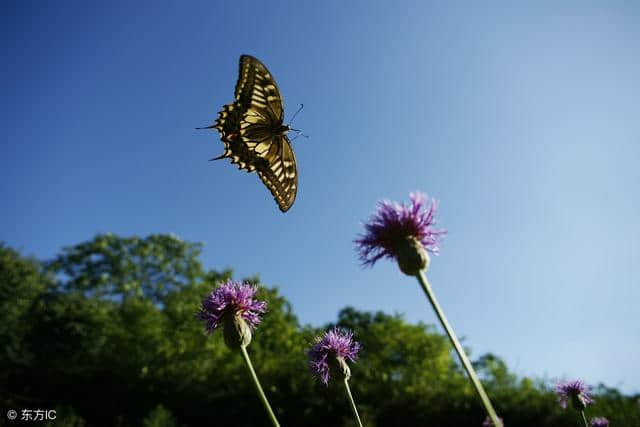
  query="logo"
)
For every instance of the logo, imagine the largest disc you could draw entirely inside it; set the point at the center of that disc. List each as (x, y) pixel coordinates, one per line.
(32, 414)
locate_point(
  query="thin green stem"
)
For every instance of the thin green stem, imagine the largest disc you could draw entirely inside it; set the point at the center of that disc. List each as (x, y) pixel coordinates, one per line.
(353, 403)
(584, 418)
(265, 402)
(426, 287)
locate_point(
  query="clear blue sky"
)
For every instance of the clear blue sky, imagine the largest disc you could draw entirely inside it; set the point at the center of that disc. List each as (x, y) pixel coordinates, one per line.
(521, 120)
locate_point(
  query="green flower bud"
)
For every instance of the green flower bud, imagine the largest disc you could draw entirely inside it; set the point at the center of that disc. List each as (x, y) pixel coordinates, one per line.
(237, 332)
(411, 256)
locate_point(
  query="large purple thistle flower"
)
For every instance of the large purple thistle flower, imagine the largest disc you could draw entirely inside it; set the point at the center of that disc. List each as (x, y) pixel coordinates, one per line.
(599, 422)
(575, 391)
(332, 350)
(231, 298)
(393, 222)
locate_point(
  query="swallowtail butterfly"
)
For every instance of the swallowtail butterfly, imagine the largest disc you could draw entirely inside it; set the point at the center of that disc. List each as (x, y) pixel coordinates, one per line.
(253, 134)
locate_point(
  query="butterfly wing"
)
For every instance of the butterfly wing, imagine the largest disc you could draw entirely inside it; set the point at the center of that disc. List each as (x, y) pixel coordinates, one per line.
(228, 124)
(257, 89)
(279, 173)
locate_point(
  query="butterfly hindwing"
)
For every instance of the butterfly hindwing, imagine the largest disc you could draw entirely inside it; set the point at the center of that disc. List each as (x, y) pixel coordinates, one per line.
(280, 174)
(228, 124)
(253, 135)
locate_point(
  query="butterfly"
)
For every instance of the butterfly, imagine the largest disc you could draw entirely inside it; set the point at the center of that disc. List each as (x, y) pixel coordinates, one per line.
(253, 134)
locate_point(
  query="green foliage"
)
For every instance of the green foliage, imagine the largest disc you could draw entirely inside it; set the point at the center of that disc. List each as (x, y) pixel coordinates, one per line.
(111, 266)
(106, 334)
(159, 417)
(21, 282)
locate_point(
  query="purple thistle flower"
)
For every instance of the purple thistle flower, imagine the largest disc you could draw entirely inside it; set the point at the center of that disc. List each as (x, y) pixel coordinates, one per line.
(333, 348)
(393, 223)
(231, 298)
(599, 422)
(575, 391)
(488, 423)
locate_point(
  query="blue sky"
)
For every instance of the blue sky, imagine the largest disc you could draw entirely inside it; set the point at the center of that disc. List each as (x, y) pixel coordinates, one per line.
(521, 120)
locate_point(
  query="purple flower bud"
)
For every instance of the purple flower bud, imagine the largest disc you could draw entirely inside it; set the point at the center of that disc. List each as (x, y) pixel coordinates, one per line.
(576, 392)
(232, 304)
(401, 232)
(488, 423)
(599, 422)
(330, 353)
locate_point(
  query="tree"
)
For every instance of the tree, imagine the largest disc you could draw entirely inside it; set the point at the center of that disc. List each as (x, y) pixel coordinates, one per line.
(22, 285)
(114, 267)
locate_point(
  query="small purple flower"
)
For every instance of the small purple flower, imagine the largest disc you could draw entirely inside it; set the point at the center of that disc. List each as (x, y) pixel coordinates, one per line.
(599, 422)
(393, 222)
(231, 298)
(488, 423)
(576, 392)
(334, 348)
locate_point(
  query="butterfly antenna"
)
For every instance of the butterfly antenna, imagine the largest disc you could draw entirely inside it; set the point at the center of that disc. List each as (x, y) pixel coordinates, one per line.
(296, 113)
(208, 127)
(298, 133)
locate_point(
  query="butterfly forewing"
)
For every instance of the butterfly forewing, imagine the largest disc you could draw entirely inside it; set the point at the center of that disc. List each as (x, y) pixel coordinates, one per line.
(256, 88)
(251, 130)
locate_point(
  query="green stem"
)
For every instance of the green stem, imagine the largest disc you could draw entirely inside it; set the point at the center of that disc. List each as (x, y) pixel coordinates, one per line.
(272, 416)
(584, 418)
(426, 287)
(353, 403)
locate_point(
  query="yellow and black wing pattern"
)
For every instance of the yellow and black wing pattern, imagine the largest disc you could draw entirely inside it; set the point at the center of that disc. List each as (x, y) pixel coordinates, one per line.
(253, 134)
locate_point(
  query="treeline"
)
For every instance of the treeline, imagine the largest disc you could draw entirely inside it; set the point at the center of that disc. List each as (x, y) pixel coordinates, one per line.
(106, 334)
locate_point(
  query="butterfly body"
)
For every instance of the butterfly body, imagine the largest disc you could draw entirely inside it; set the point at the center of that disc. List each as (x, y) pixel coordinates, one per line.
(254, 135)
